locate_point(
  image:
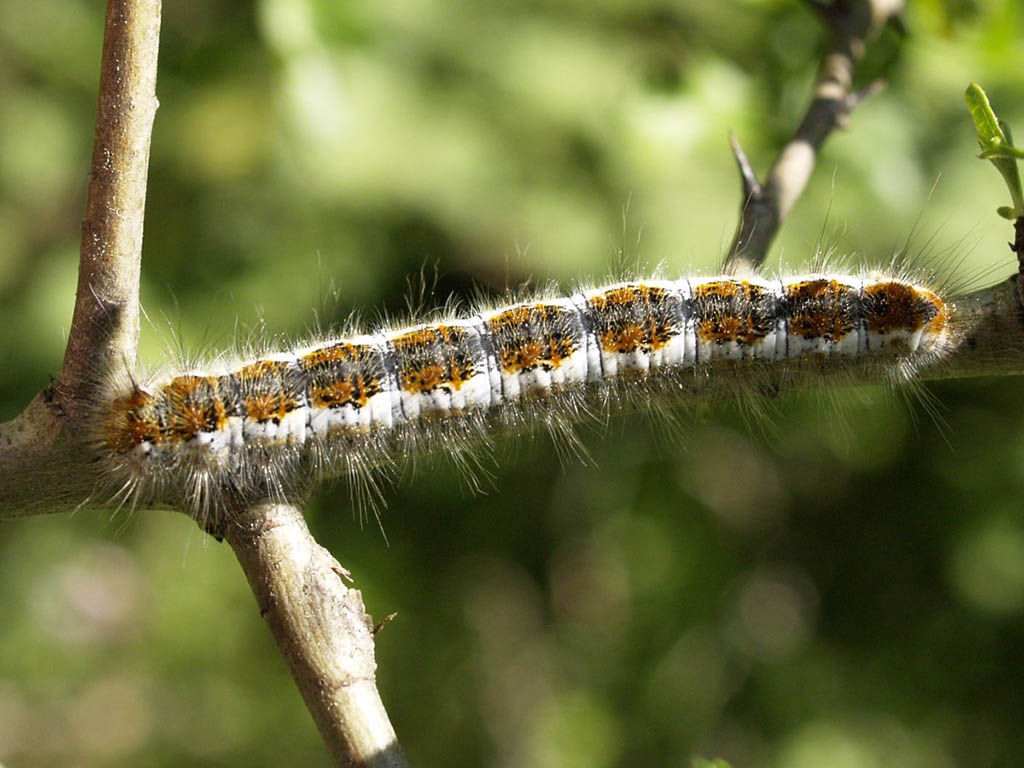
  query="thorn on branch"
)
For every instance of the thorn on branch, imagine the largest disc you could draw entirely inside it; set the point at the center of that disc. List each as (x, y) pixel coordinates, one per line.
(341, 571)
(752, 189)
(861, 94)
(380, 624)
(854, 99)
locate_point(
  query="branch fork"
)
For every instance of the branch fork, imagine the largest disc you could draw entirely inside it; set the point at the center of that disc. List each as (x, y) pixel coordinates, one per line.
(852, 23)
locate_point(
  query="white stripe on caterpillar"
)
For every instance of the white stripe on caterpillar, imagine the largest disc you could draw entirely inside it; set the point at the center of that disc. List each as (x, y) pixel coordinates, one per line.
(270, 424)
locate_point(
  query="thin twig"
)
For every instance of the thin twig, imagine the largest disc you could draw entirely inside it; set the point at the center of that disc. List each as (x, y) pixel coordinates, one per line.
(751, 186)
(43, 466)
(852, 23)
(321, 627)
(105, 326)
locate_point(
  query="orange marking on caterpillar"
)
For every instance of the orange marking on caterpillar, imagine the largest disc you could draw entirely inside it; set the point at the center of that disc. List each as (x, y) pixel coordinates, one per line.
(193, 406)
(340, 352)
(261, 369)
(648, 333)
(942, 311)
(895, 306)
(267, 407)
(721, 319)
(525, 343)
(339, 393)
(127, 426)
(424, 375)
(817, 309)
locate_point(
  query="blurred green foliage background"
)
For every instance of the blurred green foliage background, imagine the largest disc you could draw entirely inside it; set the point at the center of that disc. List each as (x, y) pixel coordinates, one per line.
(845, 591)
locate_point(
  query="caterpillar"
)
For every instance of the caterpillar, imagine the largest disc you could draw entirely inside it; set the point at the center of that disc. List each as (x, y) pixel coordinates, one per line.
(344, 406)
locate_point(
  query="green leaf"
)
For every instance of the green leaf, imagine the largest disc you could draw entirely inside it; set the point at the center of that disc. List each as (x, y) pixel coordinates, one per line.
(996, 144)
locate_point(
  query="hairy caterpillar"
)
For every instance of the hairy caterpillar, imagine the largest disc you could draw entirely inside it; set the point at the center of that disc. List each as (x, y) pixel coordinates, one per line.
(344, 406)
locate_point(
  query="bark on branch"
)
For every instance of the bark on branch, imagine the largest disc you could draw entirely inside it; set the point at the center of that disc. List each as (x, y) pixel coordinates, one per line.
(992, 339)
(322, 629)
(852, 24)
(105, 326)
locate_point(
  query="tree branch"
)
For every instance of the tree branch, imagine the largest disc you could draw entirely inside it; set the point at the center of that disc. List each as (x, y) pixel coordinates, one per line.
(852, 24)
(42, 462)
(105, 326)
(321, 627)
(990, 341)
